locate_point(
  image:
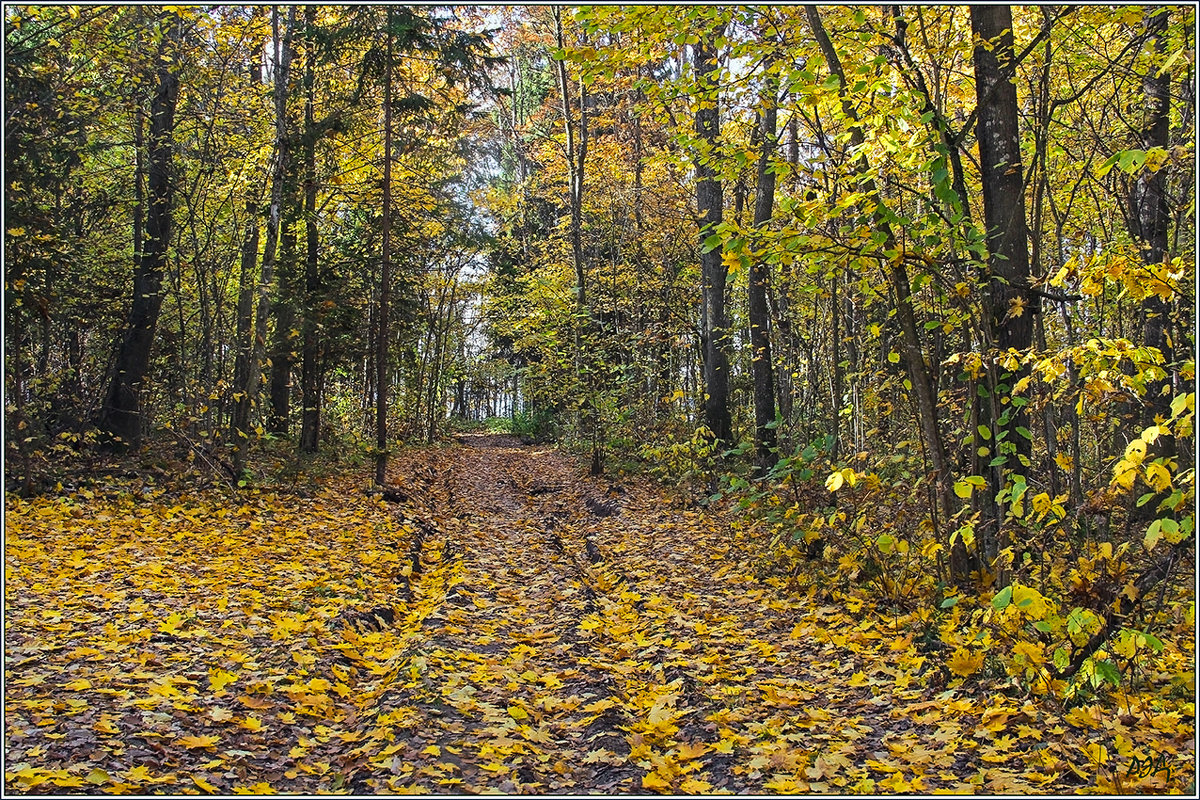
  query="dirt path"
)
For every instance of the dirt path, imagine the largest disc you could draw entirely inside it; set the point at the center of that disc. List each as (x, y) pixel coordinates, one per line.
(586, 636)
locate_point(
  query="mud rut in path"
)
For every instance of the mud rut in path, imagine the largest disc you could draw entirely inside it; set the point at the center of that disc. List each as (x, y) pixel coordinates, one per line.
(587, 637)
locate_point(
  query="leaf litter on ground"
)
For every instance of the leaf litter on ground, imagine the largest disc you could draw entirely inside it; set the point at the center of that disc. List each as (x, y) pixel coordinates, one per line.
(497, 622)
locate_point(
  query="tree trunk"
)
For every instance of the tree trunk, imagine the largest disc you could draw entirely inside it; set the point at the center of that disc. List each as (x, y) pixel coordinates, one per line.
(282, 60)
(709, 201)
(577, 146)
(121, 415)
(1150, 215)
(283, 354)
(760, 315)
(240, 429)
(310, 352)
(385, 275)
(1010, 303)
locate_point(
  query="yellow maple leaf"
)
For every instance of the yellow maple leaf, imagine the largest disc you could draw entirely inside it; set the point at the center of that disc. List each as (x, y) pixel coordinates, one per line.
(105, 725)
(219, 679)
(1029, 653)
(723, 746)
(205, 785)
(653, 782)
(252, 723)
(783, 785)
(220, 714)
(695, 786)
(964, 663)
(197, 741)
(262, 787)
(139, 774)
(691, 750)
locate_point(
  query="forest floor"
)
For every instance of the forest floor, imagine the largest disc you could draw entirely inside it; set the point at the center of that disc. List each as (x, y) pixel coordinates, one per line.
(497, 623)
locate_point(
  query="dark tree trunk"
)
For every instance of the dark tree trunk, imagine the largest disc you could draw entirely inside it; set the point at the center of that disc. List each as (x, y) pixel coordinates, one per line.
(283, 61)
(385, 275)
(310, 353)
(139, 179)
(1150, 215)
(710, 201)
(577, 147)
(760, 314)
(121, 415)
(283, 354)
(240, 432)
(1011, 304)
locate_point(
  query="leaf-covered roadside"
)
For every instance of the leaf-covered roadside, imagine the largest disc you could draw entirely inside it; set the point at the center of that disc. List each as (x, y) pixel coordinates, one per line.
(553, 634)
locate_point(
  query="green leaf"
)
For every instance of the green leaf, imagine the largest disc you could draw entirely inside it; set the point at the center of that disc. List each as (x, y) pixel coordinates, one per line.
(1131, 160)
(1153, 534)
(1107, 166)
(1108, 671)
(949, 602)
(1042, 626)
(1002, 598)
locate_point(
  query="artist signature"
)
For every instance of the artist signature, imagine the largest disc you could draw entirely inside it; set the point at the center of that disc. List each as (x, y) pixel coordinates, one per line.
(1151, 765)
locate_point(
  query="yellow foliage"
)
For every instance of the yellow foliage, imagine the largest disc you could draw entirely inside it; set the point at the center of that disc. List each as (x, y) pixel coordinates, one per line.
(964, 663)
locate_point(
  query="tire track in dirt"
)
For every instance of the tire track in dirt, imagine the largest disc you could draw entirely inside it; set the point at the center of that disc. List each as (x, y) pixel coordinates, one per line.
(589, 637)
(571, 635)
(490, 691)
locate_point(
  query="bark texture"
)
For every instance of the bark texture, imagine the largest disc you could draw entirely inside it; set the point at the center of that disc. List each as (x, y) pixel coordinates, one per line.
(121, 415)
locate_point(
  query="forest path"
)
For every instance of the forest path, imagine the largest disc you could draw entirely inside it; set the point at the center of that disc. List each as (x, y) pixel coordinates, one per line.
(559, 635)
(588, 636)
